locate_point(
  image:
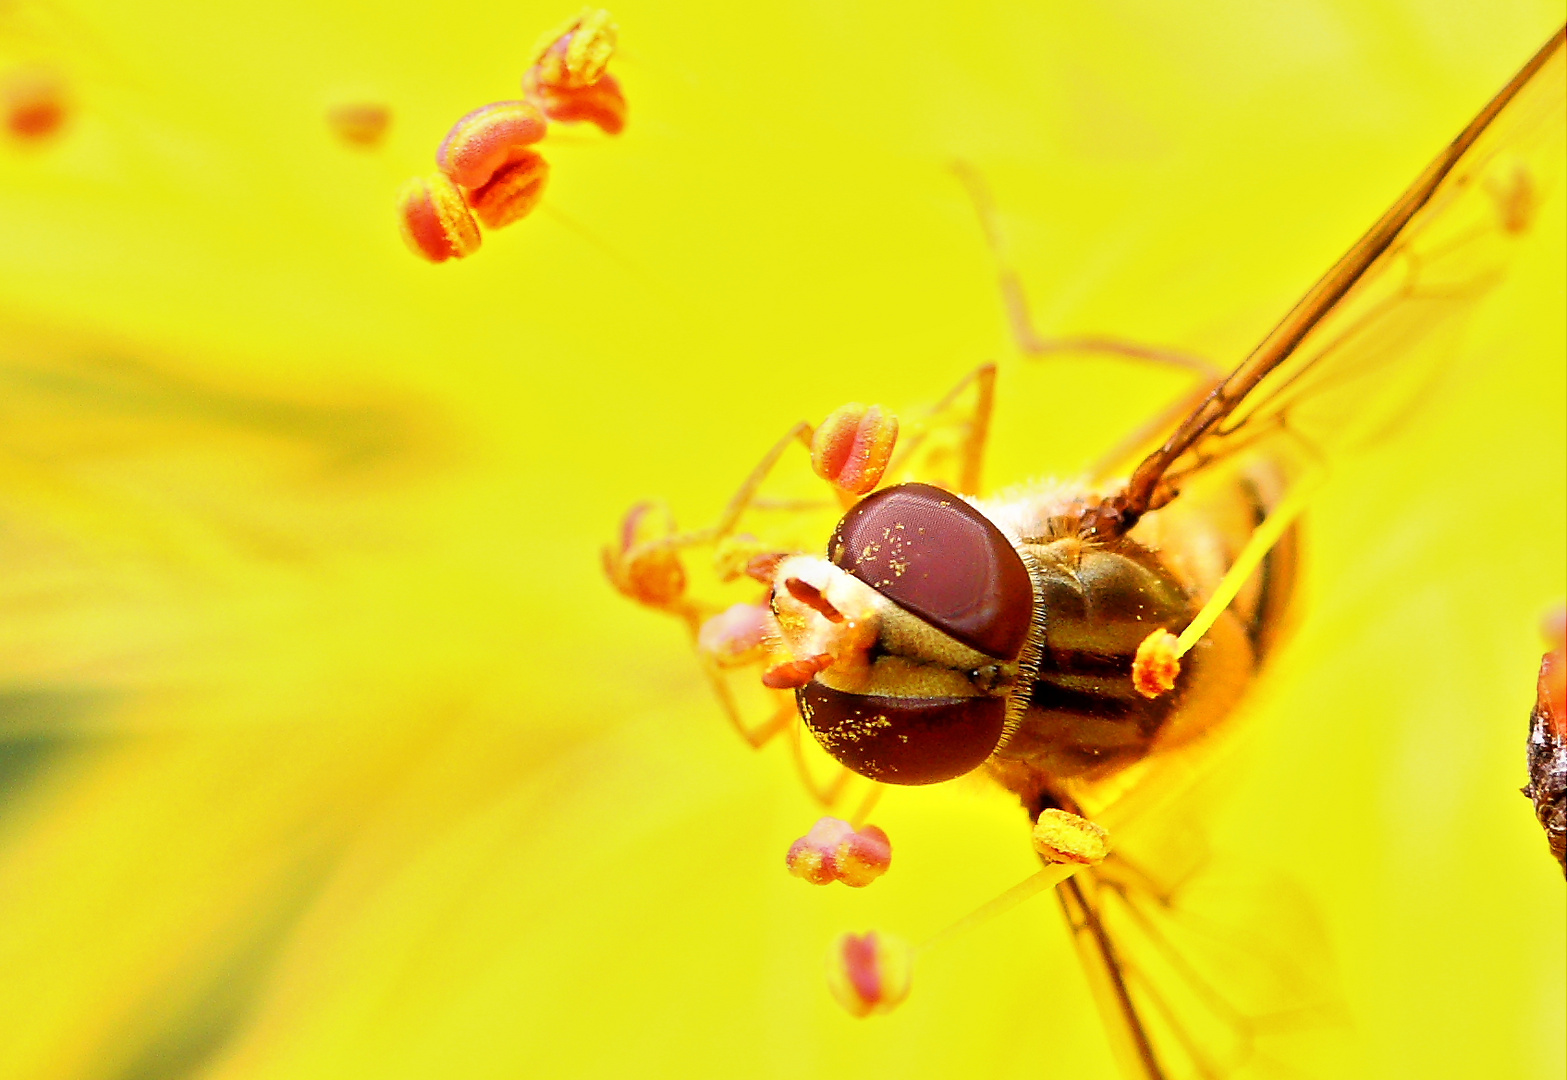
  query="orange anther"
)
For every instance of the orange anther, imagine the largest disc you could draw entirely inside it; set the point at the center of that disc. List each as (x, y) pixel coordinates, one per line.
(482, 142)
(736, 636)
(435, 220)
(575, 55)
(835, 851)
(793, 674)
(640, 566)
(851, 448)
(34, 101)
(602, 104)
(1156, 665)
(870, 973)
(863, 857)
(359, 123)
(1064, 837)
(813, 857)
(512, 192)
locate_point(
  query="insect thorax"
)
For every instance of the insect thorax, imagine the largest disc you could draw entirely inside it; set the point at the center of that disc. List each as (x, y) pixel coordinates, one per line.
(1085, 719)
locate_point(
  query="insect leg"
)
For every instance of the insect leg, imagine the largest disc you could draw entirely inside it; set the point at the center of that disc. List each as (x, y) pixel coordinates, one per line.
(758, 735)
(1015, 300)
(975, 436)
(1129, 1036)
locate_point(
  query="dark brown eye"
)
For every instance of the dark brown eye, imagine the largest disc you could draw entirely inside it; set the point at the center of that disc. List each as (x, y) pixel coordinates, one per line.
(903, 740)
(936, 556)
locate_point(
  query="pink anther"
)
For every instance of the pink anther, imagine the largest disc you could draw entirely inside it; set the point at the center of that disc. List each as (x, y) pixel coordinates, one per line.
(835, 851)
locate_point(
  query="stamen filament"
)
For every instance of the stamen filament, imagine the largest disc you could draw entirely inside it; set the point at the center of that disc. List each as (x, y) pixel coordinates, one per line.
(1262, 540)
(1027, 889)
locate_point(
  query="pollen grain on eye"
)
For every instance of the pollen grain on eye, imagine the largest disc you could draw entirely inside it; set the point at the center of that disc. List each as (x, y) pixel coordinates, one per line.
(870, 973)
(835, 851)
(435, 219)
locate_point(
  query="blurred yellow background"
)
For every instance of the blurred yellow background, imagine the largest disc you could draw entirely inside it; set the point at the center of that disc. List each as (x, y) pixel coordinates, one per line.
(329, 753)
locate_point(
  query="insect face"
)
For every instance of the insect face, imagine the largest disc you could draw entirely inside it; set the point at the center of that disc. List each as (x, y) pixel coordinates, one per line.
(918, 627)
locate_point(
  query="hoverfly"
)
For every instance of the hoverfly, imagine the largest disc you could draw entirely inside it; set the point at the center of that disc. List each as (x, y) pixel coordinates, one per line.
(1080, 643)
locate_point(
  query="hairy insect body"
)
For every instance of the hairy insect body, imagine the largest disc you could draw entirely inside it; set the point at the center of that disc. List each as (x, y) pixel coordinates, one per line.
(1084, 718)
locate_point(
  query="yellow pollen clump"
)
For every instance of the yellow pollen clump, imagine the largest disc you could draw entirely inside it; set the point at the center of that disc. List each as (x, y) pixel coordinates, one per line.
(1064, 837)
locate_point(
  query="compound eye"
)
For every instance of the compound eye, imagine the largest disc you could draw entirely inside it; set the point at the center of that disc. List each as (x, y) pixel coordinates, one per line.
(937, 557)
(903, 740)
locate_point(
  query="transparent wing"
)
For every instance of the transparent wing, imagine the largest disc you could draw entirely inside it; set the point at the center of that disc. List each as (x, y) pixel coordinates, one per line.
(1348, 359)
(1224, 974)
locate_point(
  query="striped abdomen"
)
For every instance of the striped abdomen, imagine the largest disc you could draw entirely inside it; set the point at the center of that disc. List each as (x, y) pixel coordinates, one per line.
(1084, 717)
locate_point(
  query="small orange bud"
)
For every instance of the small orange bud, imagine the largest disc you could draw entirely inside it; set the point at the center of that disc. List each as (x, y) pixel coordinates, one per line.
(34, 100)
(575, 55)
(1156, 665)
(1064, 837)
(482, 142)
(602, 104)
(360, 123)
(851, 448)
(638, 567)
(435, 220)
(736, 636)
(513, 192)
(835, 851)
(870, 974)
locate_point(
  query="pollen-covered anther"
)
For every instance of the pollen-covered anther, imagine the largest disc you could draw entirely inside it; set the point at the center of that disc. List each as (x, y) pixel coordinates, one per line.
(575, 55)
(835, 851)
(482, 142)
(359, 123)
(513, 192)
(435, 219)
(1157, 664)
(870, 973)
(1064, 837)
(736, 636)
(793, 674)
(34, 100)
(851, 448)
(641, 566)
(603, 104)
